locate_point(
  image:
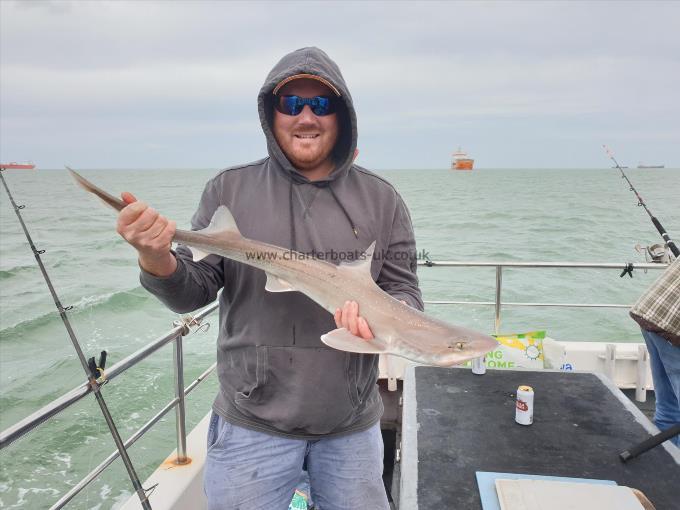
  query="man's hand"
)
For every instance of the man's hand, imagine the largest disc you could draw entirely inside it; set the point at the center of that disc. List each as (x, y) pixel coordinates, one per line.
(348, 317)
(149, 233)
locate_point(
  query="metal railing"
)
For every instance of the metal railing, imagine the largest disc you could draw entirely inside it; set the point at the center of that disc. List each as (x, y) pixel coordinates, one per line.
(498, 303)
(175, 335)
(183, 328)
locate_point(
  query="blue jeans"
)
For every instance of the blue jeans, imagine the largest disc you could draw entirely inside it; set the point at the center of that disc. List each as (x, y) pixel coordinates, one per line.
(664, 358)
(246, 469)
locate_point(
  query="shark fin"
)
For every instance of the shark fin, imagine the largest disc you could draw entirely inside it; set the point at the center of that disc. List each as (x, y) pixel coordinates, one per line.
(276, 284)
(221, 222)
(343, 340)
(362, 265)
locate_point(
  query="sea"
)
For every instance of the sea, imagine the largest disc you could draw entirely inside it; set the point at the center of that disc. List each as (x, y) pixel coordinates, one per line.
(492, 215)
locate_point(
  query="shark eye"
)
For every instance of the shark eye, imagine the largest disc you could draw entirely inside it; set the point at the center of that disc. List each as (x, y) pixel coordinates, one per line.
(460, 345)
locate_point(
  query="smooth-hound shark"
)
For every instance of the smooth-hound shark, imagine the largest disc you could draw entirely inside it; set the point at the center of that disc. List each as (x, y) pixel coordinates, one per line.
(397, 328)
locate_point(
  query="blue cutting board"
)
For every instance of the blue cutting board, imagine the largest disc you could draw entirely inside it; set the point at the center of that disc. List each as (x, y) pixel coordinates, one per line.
(486, 481)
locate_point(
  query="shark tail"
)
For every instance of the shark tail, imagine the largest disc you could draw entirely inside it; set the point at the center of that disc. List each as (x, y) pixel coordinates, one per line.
(108, 199)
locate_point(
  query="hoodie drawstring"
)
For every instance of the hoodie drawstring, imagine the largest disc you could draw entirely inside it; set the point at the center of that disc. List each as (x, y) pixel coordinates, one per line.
(349, 219)
(292, 219)
(319, 184)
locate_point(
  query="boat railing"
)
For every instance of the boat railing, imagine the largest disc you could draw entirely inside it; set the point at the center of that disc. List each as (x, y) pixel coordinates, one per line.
(499, 266)
(175, 336)
(196, 322)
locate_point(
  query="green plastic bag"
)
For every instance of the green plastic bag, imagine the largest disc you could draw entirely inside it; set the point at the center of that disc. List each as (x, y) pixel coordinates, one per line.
(299, 501)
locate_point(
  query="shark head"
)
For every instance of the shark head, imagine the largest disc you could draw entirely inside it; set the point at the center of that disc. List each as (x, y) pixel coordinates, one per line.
(465, 350)
(457, 345)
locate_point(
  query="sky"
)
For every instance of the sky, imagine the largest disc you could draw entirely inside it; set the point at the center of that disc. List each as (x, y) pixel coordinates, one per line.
(173, 84)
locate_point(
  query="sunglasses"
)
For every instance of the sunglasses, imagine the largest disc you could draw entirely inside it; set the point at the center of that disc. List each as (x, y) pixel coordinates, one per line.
(293, 105)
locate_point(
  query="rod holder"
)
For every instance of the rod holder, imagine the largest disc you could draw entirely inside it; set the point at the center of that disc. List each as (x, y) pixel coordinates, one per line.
(641, 380)
(610, 362)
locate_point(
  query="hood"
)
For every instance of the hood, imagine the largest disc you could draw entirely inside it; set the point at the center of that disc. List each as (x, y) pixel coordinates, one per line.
(310, 61)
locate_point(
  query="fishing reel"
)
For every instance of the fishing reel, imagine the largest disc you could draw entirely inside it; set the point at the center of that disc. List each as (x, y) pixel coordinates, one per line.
(656, 253)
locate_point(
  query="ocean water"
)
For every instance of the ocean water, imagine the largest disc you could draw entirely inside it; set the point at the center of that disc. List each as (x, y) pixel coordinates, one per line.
(485, 215)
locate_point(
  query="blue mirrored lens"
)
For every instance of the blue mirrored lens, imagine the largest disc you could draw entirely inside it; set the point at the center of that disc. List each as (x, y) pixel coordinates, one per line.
(293, 105)
(320, 105)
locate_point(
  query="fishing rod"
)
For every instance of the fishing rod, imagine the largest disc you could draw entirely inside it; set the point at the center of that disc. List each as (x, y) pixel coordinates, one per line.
(641, 202)
(91, 369)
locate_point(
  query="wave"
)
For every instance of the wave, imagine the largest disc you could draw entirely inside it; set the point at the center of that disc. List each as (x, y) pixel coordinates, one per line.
(114, 301)
(6, 274)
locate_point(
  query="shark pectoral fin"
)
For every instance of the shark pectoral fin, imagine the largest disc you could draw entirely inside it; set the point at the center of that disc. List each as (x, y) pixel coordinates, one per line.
(276, 284)
(343, 340)
(222, 221)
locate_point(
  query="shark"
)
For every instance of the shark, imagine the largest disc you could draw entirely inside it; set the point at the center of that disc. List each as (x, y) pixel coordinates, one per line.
(398, 329)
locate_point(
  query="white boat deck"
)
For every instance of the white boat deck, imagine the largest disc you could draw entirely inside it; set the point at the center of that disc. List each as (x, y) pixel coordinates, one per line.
(179, 486)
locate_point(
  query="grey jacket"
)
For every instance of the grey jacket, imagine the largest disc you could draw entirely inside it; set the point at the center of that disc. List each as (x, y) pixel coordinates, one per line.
(275, 374)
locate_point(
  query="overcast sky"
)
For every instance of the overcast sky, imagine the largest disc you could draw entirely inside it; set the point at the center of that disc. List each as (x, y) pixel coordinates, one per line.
(173, 84)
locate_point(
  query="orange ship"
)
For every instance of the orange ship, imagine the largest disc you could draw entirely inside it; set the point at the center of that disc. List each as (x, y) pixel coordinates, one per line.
(461, 161)
(17, 166)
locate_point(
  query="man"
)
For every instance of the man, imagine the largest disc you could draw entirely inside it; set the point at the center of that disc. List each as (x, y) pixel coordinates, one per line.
(658, 313)
(286, 398)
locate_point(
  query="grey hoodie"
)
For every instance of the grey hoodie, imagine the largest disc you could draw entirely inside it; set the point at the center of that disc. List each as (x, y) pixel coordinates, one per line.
(275, 374)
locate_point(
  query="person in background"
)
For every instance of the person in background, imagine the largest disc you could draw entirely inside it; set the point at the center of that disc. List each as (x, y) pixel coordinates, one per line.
(286, 399)
(658, 314)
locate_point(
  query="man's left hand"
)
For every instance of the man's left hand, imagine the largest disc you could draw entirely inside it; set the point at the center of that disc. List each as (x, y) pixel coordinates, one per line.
(348, 317)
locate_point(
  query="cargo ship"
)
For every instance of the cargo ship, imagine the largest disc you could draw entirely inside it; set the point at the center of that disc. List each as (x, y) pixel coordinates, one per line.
(26, 165)
(461, 161)
(643, 165)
